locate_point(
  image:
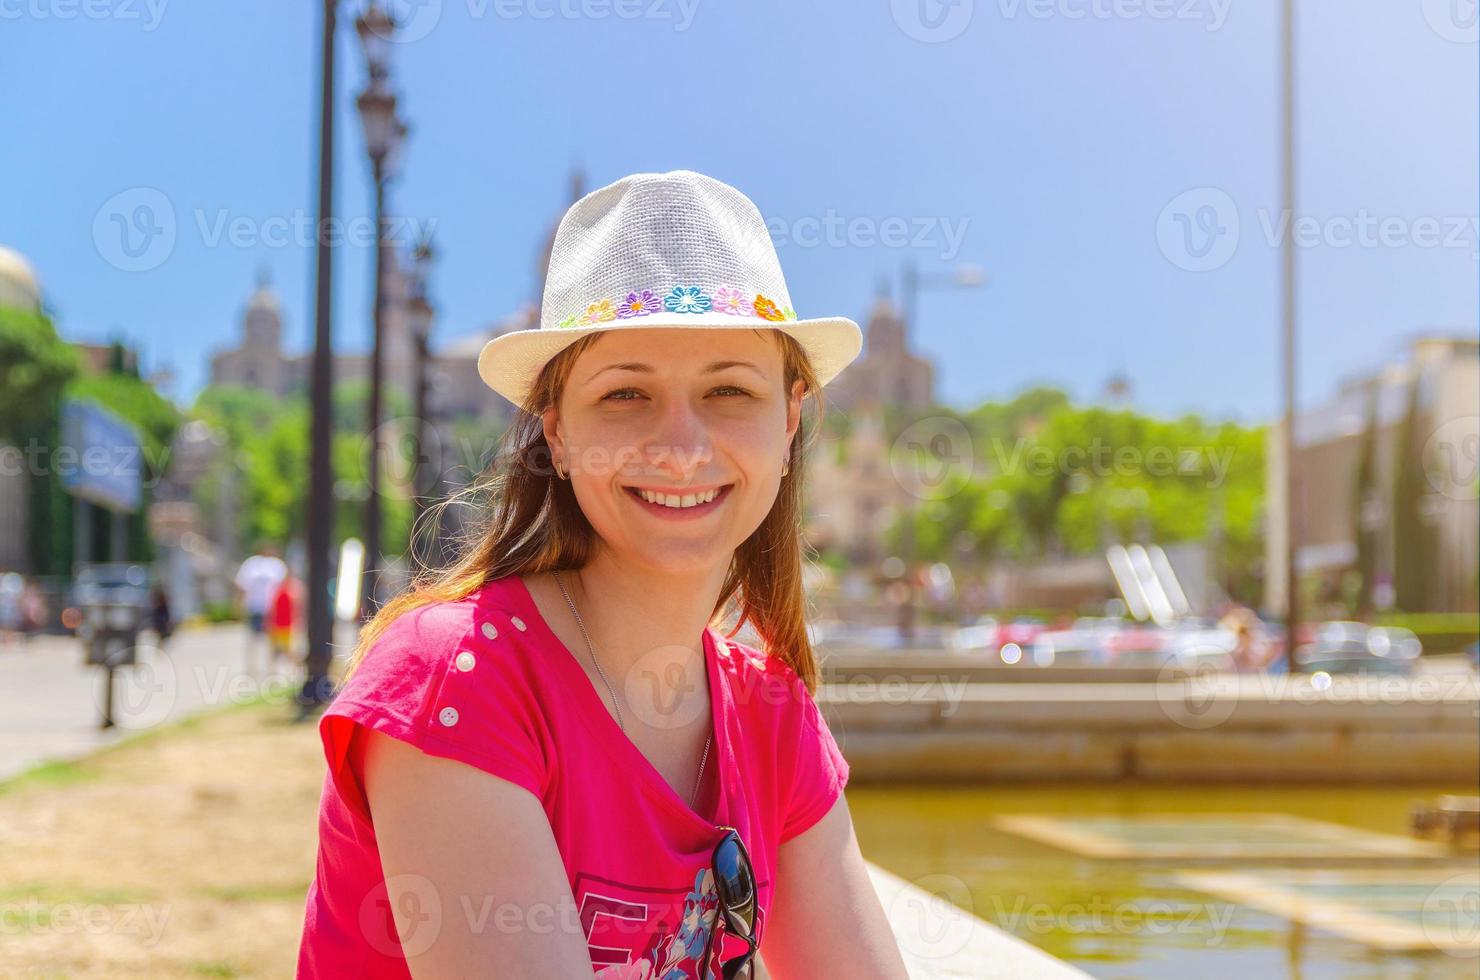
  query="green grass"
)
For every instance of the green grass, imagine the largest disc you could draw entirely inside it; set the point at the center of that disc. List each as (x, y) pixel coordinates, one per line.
(46, 774)
(82, 769)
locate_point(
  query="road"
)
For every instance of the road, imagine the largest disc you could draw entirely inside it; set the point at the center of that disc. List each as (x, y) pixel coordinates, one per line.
(51, 704)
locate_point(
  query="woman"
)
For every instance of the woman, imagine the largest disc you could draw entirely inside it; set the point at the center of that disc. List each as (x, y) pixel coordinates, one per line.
(548, 761)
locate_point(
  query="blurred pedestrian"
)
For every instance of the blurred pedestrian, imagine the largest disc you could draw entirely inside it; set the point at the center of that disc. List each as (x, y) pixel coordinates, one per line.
(1251, 651)
(286, 600)
(33, 609)
(160, 619)
(12, 586)
(258, 579)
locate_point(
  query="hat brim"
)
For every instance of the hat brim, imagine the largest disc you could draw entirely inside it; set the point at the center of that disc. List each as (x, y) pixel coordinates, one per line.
(510, 362)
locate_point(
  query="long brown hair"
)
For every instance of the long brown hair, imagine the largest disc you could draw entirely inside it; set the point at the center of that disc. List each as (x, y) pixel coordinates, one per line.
(526, 520)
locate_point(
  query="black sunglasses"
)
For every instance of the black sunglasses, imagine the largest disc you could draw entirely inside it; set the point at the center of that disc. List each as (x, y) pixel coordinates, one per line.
(735, 881)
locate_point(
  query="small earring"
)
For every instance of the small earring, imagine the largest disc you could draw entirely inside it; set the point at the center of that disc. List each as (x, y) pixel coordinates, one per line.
(559, 472)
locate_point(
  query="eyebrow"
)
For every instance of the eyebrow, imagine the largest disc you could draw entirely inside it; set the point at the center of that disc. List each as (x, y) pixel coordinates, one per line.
(641, 368)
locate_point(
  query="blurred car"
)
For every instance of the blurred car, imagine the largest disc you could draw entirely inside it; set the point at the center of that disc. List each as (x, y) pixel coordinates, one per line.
(1023, 631)
(975, 637)
(1137, 645)
(1356, 648)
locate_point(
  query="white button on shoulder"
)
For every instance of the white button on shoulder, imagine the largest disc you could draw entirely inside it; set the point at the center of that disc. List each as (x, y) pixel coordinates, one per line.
(465, 661)
(448, 716)
(518, 623)
(490, 631)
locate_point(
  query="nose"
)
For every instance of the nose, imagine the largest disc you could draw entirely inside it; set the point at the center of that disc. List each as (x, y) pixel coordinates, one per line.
(680, 443)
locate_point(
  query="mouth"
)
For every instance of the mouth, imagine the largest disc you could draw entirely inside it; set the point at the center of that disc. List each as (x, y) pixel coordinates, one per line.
(682, 506)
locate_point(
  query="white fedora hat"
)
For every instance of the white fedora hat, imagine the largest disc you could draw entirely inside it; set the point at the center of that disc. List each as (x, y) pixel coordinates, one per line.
(677, 249)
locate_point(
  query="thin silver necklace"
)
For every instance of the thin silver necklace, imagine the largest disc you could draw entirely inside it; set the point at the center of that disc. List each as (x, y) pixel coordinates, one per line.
(617, 708)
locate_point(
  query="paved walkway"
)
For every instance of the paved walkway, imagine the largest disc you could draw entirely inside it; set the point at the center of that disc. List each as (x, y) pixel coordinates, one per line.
(51, 703)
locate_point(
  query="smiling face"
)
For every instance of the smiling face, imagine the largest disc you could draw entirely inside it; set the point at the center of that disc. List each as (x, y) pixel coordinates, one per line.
(674, 440)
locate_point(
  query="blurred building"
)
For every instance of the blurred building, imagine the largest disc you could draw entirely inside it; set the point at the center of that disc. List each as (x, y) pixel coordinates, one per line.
(19, 286)
(19, 289)
(854, 497)
(1440, 381)
(888, 372)
(260, 360)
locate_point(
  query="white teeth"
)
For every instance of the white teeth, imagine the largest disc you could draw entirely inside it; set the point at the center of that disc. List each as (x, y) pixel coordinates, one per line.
(671, 500)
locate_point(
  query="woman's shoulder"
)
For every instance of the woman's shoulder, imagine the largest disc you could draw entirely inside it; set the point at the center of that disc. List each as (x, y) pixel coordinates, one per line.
(432, 635)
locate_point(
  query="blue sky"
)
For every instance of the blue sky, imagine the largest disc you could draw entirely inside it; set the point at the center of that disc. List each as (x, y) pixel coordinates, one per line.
(1111, 164)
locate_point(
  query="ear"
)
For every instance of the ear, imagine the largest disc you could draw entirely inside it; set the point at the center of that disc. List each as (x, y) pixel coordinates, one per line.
(794, 409)
(550, 423)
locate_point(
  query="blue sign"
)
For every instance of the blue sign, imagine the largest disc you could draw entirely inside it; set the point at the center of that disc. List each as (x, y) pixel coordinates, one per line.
(100, 459)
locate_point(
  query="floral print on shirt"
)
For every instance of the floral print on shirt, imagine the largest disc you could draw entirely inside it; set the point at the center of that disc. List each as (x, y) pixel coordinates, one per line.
(676, 955)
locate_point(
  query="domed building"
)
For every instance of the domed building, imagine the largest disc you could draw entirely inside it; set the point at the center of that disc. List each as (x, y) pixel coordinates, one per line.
(19, 289)
(258, 359)
(19, 286)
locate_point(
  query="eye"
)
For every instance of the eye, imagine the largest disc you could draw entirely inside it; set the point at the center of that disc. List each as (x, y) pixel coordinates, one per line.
(733, 388)
(621, 391)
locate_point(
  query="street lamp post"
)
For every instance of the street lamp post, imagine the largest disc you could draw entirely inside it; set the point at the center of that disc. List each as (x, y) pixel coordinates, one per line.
(384, 132)
(316, 682)
(911, 283)
(419, 313)
(1292, 457)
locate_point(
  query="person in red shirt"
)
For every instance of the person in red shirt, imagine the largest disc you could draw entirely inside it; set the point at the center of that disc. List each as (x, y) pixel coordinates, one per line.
(282, 616)
(553, 759)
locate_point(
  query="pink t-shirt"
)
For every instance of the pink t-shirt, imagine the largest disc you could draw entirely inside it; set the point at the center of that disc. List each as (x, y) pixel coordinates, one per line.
(485, 681)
